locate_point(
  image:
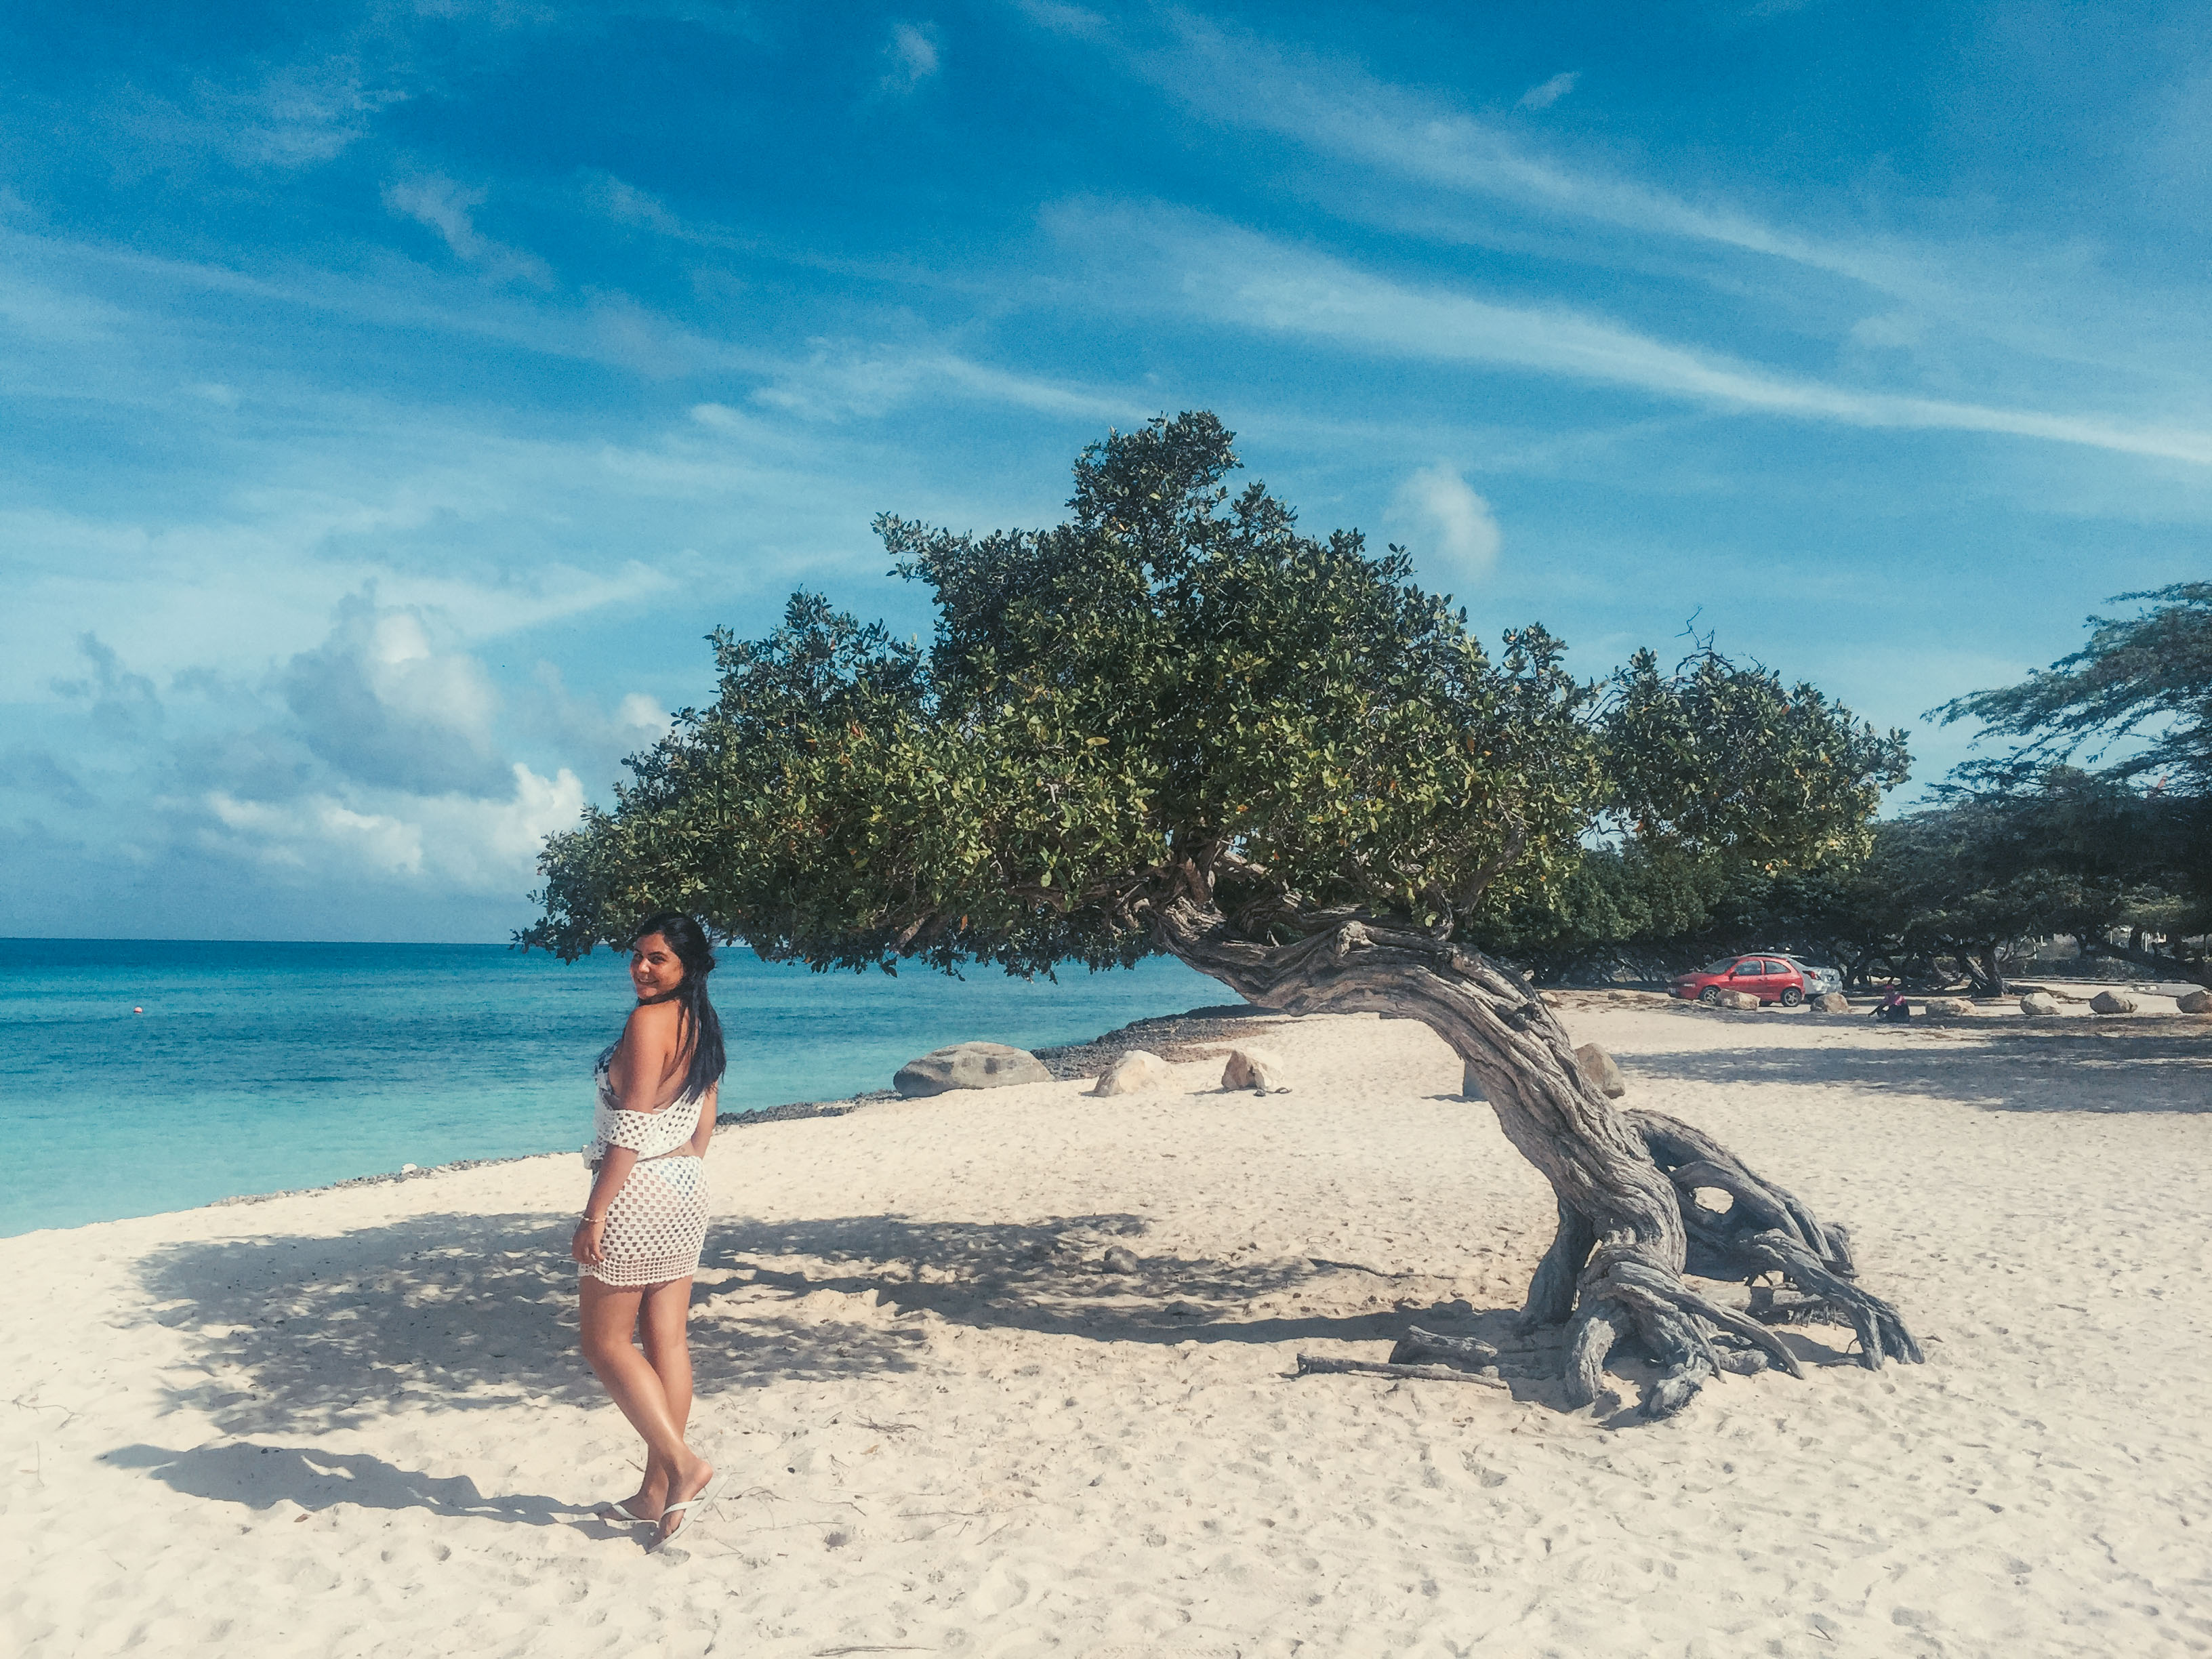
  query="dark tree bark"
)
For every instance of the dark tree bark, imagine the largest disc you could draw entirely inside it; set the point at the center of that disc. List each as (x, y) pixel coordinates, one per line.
(1630, 1221)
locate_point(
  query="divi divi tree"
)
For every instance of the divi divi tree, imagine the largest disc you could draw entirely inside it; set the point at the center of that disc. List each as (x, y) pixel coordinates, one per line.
(1176, 723)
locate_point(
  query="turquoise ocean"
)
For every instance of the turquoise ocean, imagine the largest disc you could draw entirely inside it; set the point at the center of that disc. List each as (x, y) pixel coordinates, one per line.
(257, 1067)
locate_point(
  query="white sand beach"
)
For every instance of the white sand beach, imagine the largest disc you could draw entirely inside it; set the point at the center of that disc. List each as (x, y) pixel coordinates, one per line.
(353, 1422)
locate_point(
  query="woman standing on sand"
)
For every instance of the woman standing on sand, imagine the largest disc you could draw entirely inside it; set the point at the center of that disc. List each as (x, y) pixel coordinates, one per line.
(645, 1221)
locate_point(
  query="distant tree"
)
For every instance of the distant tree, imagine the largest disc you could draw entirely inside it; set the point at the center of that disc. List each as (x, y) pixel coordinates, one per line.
(1174, 723)
(2134, 824)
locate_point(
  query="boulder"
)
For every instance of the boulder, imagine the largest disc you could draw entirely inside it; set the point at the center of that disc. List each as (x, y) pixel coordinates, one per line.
(969, 1066)
(1950, 1008)
(1599, 1071)
(1119, 1260)
(1259, 1070)
(1136, 1071)
(2040, 1005)
(1737, 999)
(1831, 1002)
(2112, 1002)
(2196, 1002)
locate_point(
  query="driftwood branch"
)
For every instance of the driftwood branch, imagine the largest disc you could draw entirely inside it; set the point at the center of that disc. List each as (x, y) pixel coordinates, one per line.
(1311, 1365)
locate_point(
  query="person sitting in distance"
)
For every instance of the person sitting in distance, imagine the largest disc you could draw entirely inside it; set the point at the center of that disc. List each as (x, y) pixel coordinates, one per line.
(1893, 1006)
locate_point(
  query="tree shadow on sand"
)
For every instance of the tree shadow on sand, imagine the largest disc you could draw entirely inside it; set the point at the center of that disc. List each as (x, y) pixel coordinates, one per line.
(2092, 1070)
(458, 1312)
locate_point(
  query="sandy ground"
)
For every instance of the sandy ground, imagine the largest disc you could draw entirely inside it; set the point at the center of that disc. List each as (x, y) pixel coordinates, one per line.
(353, 1422)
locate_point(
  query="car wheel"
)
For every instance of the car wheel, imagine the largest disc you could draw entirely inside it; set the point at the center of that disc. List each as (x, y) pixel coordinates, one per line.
(1791, 996)
(1710, 993)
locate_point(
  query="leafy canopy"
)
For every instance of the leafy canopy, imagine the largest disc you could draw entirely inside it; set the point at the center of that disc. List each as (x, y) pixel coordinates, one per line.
(2146, 677)
(1174, 696)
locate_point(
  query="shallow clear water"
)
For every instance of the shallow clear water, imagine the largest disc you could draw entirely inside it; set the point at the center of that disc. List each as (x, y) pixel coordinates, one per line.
(256, 1067)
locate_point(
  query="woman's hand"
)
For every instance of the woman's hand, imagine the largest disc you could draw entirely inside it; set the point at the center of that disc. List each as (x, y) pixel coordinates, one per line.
(585, 1246)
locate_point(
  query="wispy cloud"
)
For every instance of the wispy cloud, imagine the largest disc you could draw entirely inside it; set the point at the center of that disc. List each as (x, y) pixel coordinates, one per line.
(1545, 93)
(1236, 278)
(447, 208)
(2044, 300)
(911, 57)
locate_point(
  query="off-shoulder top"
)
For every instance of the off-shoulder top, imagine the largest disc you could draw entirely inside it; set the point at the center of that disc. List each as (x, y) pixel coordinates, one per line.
(649, 1134)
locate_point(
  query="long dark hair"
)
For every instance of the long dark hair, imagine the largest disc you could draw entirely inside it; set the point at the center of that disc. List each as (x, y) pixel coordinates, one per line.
(696, 1022)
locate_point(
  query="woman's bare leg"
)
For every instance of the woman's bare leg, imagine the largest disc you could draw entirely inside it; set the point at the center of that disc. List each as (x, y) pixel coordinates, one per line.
(610, 1315)
(664, 1323)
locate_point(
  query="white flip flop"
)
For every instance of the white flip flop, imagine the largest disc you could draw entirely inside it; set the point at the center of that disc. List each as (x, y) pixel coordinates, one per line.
(706, 1494)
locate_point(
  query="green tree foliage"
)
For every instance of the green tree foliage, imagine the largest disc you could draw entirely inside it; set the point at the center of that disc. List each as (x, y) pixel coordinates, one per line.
(2147, 677)
(1177, 691)
(2131, 835)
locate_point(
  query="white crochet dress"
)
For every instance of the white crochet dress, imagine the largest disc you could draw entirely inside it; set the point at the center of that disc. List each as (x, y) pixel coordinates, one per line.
(657, 1224)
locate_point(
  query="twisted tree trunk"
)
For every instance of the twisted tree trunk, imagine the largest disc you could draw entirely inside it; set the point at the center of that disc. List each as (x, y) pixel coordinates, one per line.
(1626, 1182)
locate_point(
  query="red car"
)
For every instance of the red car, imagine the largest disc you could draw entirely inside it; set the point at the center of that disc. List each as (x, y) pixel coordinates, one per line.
(1769, 978)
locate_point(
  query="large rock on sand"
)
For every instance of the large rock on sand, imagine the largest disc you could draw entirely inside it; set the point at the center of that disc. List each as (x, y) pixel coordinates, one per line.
(1599, 1071)
(2040, 1005)
(1135, 1072)
(1743, 1000)
(1259, 1070)
(1950, 1008)
(2196, 1002)
(2112, 1002)
(1831, 1002)
(969, 1066)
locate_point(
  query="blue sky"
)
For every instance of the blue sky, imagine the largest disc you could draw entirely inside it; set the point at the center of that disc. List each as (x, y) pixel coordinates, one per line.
(394, 394)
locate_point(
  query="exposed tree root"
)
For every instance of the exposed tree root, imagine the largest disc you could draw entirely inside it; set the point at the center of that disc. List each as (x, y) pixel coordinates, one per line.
(1631, 1224)
(1768, 1229)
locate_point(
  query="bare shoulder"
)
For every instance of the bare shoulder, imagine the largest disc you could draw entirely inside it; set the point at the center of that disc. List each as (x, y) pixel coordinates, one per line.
(653, 1021)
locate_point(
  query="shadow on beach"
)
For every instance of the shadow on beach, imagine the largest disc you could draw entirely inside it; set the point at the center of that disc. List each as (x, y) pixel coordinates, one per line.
(2093, 1070)
(458, 1312)
(261, 1477)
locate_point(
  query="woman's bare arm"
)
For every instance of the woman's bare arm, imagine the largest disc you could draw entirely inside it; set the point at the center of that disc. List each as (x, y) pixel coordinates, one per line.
(703, 1136)
(614, 1169)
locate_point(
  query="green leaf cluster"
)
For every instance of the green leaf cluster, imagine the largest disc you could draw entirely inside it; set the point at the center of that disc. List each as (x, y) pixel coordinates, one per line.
(1176, 695)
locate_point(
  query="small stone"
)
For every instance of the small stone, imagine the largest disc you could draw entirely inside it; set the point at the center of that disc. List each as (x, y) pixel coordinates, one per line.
(2040, 1005)
(2195, 1002)
(2112, 1002)
(1599, 1071)
(1118, 1260)
(969, 1066)
(1831, 1002)
(1259, 1070)
(1136, 1071)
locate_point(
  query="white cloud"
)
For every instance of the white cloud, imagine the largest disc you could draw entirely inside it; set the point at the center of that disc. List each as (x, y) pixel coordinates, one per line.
(1452, 533)
(446, 207)
(913, 56)
(447, 842)
(1548, 93)
(379, 702)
